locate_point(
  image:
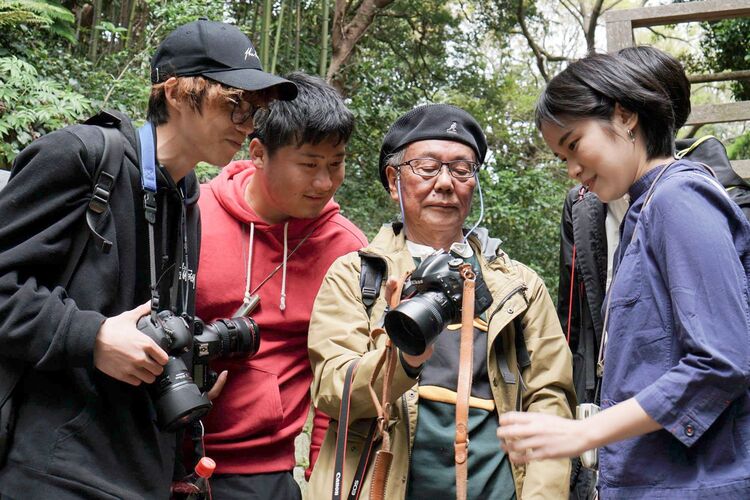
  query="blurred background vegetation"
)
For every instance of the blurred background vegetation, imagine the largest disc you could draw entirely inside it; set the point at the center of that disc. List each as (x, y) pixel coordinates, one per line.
(61, 61)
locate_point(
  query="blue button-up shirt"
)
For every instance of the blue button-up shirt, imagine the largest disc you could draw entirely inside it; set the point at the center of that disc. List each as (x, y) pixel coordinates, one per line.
(679, 342)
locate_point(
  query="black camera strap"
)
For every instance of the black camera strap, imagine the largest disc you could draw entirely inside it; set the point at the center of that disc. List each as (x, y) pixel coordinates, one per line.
(182, 274)
(148, 180)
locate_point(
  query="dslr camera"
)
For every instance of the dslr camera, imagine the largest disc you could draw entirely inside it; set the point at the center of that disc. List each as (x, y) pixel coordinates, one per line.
(178, 400)
(432, 298)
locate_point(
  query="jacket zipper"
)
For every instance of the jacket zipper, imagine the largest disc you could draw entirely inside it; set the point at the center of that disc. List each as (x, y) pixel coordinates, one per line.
(520, 288)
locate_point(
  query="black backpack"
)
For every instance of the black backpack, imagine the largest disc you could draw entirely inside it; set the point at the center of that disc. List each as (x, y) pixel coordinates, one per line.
(104, 179)
(711, 151)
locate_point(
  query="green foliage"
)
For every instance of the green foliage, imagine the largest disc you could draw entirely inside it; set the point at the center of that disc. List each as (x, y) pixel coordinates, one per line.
(205, 171)
(726, 46)
(739, 149)
(31, 106)
(43, 14)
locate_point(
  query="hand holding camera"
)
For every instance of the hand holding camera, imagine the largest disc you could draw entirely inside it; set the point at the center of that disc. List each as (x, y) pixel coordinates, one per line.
(123, 353)
(179, 397)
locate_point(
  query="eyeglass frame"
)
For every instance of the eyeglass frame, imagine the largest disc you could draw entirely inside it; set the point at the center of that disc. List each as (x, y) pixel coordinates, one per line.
(246, 115)
(475, 168)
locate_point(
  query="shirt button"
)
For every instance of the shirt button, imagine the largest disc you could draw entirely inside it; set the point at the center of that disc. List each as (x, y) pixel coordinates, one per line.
(510, 310)
(689, 431)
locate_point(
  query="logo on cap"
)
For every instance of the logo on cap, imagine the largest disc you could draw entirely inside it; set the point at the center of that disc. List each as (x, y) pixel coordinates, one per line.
(250, 52)
(452, 129)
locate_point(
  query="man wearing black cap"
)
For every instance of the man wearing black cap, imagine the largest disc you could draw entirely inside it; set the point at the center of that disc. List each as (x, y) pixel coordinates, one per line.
(429, 164)
(85, 424)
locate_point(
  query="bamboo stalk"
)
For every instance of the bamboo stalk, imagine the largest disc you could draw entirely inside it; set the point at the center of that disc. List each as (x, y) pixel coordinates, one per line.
(324, 40)
(279, 24)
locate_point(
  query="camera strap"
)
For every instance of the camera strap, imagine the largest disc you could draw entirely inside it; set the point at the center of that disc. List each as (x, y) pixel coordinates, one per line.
(341, 441)
(465, 373)
(148, 181)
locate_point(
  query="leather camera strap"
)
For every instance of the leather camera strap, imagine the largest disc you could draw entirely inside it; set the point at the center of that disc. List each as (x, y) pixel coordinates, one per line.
(384, 456)
(341, 440)
(465, 372)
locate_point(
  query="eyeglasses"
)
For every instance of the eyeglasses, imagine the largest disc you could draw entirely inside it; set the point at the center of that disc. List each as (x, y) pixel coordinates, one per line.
(243, 110)
(427, 168)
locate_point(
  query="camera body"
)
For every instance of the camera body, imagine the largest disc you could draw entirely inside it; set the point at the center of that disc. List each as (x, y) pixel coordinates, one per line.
(432, 298)
(178, 400)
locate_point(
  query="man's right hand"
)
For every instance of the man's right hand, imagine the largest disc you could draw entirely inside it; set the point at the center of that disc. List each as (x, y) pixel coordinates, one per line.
(393, 287)
(124, 353)
(420, 359)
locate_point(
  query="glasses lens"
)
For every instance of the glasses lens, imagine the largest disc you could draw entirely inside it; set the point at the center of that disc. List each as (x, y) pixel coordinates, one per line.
(425, 167)
(461, 169)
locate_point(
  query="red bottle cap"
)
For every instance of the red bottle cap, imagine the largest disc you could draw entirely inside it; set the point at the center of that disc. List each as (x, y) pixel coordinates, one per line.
(205, 467)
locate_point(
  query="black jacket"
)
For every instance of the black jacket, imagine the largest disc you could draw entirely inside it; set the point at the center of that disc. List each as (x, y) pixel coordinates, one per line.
(80, 433)
(583, 223)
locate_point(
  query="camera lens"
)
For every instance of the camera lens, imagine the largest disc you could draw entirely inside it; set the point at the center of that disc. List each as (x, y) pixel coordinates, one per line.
(237, 336)
(177, 400)
(415, 323)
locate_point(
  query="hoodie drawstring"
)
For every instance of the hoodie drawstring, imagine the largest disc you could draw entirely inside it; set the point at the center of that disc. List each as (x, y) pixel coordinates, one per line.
(252, 299)
(249, 266)
(282, 300)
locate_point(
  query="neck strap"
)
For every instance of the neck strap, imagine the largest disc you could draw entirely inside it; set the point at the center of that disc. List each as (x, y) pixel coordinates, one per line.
(146, 134)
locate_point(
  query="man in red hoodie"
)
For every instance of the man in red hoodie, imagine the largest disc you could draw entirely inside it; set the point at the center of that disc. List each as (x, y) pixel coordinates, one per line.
(270, 231)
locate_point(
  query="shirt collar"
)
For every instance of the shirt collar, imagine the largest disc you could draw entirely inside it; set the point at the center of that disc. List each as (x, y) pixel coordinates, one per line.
(640, 186)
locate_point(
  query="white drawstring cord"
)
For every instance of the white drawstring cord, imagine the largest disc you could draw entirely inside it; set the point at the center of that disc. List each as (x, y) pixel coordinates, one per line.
(282, 301)
(249, 262)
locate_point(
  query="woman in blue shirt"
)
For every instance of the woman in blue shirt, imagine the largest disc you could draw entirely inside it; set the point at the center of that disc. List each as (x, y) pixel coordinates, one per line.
(676, 407)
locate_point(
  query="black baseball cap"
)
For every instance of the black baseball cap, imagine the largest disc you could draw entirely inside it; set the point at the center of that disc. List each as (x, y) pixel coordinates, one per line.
(432, 121)
(219, 52)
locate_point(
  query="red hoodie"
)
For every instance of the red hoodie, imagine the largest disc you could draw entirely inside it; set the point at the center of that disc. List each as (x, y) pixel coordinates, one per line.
(265, 402)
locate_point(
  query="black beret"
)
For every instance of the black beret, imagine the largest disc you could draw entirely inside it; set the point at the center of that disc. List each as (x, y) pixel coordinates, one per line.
(432, 121)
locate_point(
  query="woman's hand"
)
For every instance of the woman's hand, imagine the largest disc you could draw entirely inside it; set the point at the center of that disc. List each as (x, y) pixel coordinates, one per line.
(538, 436)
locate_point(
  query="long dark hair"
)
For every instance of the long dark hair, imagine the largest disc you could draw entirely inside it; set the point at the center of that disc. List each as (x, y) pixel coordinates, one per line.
(592, 86)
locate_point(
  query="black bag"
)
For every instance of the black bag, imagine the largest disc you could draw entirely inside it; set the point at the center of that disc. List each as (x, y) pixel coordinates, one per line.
(108, 167)
(711, 151)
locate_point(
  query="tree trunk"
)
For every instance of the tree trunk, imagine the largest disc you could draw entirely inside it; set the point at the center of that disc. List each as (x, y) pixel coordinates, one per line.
(94, 41)
(346, 36)
(131, 24)
(123, 20)
(324, 39)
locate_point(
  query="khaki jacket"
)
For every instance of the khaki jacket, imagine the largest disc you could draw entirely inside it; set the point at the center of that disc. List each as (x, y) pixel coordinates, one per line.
(339, 334)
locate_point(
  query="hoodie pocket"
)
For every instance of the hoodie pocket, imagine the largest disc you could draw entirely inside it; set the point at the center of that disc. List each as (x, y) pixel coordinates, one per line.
(248, 406)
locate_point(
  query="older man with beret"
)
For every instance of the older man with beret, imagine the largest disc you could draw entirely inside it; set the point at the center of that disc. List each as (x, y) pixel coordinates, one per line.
(429, 164)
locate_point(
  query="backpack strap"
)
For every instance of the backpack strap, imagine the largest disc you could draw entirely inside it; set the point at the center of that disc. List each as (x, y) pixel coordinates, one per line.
(105, 176)
(371, 275)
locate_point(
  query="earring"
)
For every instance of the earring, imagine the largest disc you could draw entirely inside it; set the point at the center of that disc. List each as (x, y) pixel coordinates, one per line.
(631, 135)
